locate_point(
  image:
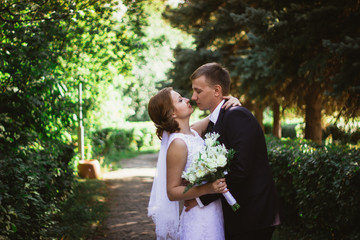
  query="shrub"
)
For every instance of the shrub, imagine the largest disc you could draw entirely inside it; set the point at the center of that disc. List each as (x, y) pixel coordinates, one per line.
(100, 141)
(319, 188)
(120, 139)
(268, 128)
(132, 138)
(143, 137)
(33, 184)
(343, 134)
(288, 130)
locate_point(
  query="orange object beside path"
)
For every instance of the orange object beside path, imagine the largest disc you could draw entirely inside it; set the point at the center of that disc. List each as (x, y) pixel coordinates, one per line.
(89, 169)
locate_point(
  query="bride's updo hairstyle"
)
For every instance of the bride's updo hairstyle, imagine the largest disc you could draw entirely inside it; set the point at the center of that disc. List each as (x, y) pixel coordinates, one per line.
(160, 110)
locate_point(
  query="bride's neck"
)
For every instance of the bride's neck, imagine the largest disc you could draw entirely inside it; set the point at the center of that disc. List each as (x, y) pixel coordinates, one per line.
(184, 128)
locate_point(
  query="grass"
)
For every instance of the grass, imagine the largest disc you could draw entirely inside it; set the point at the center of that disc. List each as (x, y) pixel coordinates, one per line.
(84, 211)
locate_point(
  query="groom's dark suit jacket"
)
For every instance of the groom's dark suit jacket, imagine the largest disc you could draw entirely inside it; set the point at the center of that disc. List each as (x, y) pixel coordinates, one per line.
(249, 180)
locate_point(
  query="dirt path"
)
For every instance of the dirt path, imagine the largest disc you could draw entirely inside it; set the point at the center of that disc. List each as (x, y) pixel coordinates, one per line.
(129, 192)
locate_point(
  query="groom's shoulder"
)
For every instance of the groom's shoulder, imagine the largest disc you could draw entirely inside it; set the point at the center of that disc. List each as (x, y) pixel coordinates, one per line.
(237, 111)
(235, 114)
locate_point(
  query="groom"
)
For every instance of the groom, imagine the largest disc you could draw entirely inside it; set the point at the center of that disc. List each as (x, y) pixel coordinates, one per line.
(249, 180)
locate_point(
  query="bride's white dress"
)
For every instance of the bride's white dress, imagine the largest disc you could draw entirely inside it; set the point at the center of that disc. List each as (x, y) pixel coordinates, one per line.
(199, 223)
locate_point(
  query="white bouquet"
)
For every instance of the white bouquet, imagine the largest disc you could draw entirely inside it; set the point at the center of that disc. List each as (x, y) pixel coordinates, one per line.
(209, 165)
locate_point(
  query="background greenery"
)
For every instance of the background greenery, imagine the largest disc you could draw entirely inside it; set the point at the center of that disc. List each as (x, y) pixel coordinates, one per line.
(294, 64)
(318, 188)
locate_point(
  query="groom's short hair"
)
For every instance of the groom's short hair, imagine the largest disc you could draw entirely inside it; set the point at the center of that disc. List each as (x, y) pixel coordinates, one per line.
(215, 74)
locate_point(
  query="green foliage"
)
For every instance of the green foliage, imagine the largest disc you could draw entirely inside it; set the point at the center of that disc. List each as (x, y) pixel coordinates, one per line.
(104, 42)
(346, 51)
(33, 185)
(84, 209)
(289, 53)
(343, 134)
(268, 128)
(33, 108)
(273, 49)
(154, 61)
(187, 60)
(318, 187)
(106, 140)
(288, 130)
(46, 49)
(216, 38)
(35, 161)
(111, 144)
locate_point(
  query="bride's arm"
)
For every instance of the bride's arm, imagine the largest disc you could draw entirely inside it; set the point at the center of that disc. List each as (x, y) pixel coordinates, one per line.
(176, 161)
(231, 102)
(201, 125)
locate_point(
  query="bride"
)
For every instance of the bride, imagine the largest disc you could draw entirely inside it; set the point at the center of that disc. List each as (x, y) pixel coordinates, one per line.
(171, 113)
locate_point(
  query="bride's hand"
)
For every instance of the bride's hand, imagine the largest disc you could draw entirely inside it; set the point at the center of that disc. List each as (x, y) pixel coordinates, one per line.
(218, 186)
(231, 102)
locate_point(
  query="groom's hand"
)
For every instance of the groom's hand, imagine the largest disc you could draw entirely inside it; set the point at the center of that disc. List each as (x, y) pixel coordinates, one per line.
(189, 204)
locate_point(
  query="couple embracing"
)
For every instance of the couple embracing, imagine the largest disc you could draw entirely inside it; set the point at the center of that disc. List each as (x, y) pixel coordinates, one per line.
(206, 214)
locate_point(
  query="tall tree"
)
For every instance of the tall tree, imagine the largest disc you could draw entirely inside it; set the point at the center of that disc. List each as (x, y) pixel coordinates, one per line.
(104, 43)
(32, 39)
(294, 40)
(154, 59)
(46, 48)
(216, 36)
(280, 53)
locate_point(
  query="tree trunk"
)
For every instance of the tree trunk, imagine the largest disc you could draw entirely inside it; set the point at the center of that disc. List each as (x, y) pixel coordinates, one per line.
(276, 120)
(259, 115)
(313, 130)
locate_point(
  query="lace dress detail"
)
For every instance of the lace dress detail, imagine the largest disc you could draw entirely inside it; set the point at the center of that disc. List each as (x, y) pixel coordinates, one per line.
(199, 223)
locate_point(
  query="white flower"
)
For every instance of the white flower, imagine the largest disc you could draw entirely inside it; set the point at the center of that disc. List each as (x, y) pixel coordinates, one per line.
(212, 165)
(210, 139)
(221, 160)
(200, 172)
(191, 178)
(209, 142)
(208, 160)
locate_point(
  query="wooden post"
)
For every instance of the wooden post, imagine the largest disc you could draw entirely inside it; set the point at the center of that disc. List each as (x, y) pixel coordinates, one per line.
(81, 128)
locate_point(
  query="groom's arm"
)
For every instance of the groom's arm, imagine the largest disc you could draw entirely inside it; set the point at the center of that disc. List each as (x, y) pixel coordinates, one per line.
(207, 199)
(189, 204)
(242, 137)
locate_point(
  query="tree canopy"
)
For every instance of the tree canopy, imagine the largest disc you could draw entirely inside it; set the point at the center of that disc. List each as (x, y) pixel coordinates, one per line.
(47, 48)
(302, 54)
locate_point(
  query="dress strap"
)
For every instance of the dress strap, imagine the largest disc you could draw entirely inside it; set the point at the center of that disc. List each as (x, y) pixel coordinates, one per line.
(194, 132)
(173, 136)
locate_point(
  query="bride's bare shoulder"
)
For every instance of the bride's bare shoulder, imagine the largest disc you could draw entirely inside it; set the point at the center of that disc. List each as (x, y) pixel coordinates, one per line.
(177, 146)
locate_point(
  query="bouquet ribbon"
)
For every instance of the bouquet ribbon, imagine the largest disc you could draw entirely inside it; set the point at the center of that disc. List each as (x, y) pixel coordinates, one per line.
(230, 199)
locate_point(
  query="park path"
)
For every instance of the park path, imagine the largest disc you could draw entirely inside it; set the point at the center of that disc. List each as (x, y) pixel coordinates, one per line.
(128, 196)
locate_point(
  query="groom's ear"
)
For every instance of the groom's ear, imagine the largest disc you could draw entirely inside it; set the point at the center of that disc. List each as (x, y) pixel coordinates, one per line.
(218, 90)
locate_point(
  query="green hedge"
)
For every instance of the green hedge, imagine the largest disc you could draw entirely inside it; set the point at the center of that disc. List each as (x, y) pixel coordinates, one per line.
(33, 185)
(343, 134)
(132, 138)
(319, 188)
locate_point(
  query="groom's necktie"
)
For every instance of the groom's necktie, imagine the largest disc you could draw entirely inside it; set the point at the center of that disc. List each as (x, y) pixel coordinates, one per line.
(210, 127)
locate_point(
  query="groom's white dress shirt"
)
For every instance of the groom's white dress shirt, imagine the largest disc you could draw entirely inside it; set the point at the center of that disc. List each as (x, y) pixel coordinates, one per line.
(215, 114)
(213, 118)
